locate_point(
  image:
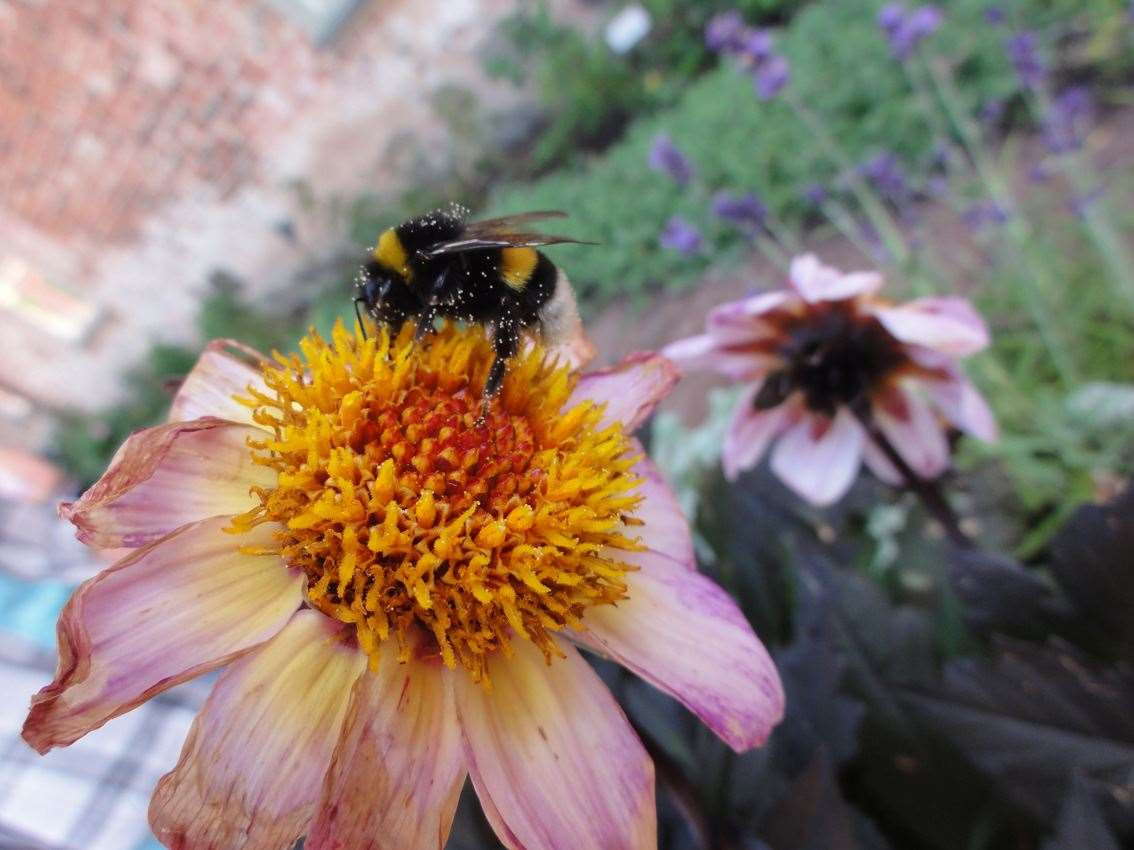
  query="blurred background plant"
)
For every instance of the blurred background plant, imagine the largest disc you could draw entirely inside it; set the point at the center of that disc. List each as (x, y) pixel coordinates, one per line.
(937, 698)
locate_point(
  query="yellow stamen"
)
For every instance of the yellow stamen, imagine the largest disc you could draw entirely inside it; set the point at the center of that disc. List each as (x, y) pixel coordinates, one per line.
(414, 519)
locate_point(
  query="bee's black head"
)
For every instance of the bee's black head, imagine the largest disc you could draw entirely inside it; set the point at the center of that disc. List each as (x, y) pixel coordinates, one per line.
(383, 294)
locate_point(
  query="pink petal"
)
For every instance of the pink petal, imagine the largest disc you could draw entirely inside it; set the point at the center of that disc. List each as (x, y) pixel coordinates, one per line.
(949, 325)
(666, 529)
(397, 772)
(694, 352)
(815, 281)
(736, 313)
(631, 390)
(819, 458)
(962, 404)
(910, 425)
(683, 634)
(254, 761)
(225, 369)
(751, 431)
(877, 462)
(553, 758)
(164, 477)
(164, 614)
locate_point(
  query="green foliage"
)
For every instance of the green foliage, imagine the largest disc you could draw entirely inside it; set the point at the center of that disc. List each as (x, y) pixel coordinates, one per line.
(587, 93)
(841, 70)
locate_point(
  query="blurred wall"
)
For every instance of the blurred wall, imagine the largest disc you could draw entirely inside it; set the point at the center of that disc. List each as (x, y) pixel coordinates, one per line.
(144, 145)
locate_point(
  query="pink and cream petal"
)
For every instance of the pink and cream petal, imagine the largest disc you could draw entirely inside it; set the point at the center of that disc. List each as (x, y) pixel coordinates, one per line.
(164, 477)
(877, 462)
(180, 607)
(225, 369)
(553, 759)
(683, 634)
(949, 325)
(631, 390)
(913, 429)
(253, 765)
(751, 431)
(819, 458)
(665, 529)
(397, 772)
(962, 404)
(694, 352)
(816, 282)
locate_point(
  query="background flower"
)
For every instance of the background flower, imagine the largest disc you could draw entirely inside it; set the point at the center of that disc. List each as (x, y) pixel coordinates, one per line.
(827, 361)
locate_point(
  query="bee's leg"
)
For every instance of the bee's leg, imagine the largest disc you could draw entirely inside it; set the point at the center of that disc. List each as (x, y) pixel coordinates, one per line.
(358, 315)
(505, 342)
(433, 305)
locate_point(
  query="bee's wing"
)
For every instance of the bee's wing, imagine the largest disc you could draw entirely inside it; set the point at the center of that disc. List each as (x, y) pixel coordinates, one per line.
(502, 233)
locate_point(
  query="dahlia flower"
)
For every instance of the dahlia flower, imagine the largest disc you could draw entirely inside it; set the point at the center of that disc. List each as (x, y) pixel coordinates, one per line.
(397, 587)
(833, 369)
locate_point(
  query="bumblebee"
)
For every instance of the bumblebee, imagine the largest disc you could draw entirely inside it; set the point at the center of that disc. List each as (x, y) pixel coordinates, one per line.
(440, 265)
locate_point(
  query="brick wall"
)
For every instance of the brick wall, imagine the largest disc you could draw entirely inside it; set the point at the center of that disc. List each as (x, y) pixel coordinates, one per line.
(145, 143)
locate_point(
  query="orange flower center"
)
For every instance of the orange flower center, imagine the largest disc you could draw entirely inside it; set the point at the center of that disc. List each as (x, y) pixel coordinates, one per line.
(412, 518)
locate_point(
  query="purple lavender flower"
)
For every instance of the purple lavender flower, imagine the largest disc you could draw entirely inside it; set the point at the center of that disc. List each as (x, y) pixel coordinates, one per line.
(991, 112)
(1069, 120)
(680, 236)
(746, 211)
(669, 160)
(891, 17)
(815, 194)
(725, 31)
(984, 214)
(885, 173)
(905, 32)
(994, 15)
(771, 76)
(756, 46)
(1023, 52)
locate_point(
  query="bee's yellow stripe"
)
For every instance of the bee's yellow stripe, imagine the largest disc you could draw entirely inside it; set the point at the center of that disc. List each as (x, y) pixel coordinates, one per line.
(391, 253)
(517, 265)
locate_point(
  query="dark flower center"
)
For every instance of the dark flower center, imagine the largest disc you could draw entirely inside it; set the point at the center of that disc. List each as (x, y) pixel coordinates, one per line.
(834, 356)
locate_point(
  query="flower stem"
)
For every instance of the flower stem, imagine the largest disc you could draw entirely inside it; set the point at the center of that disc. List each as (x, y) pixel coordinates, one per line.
(927, 492)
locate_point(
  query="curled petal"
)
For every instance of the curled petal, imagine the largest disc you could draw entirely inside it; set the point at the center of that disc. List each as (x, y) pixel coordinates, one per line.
(254, 761)
(552, 757)
(666, 530)
(164, 614)
(631, 390)
(751, 431)
(396, 774)
(741, 313)
(683, 634)
(949, 325)
(164, 477)
(962, 404)
(815, 281)
(225, 369)
(819, 457)
(910, 425)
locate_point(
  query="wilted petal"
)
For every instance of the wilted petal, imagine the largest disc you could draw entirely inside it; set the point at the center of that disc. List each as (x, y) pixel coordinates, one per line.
(819, 458)
(226, 368)
(751, 431)
(631, 390)
(396, 774)
(666, 530)
(946, 324)
(553, 758)
(817, 282)
(910, 425)
(682, 633)
(164, 477)
(164, 614)
(253, 765)
(962, 404)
